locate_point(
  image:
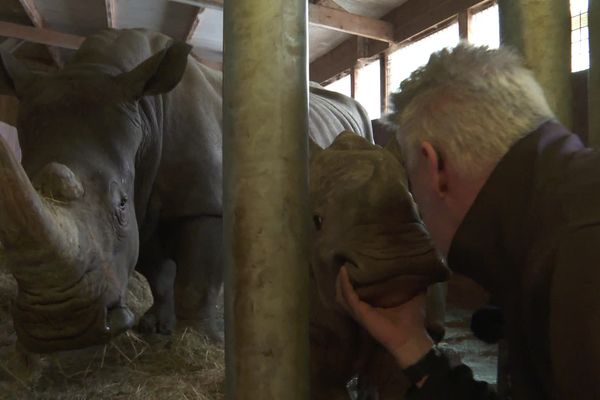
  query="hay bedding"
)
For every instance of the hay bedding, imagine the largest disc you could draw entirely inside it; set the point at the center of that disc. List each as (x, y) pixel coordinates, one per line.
(181, 366)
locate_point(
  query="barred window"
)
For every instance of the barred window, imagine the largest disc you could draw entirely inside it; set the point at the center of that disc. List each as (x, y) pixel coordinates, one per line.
(580, 44)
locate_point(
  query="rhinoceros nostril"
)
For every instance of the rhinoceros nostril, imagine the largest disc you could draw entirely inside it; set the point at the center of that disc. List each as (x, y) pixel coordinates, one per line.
(58, 182)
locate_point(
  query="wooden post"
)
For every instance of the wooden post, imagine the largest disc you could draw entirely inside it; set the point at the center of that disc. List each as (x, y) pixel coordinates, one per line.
(594, 75)
(539, 30)
(354, 80)
(464, 19)
(266, 215)
(383, 81)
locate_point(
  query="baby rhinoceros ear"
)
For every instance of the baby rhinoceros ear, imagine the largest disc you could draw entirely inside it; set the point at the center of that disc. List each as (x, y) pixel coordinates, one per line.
(393, 148)
(347, 140)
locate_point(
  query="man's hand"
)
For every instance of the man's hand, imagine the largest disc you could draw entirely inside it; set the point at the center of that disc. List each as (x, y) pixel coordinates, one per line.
(401, 330)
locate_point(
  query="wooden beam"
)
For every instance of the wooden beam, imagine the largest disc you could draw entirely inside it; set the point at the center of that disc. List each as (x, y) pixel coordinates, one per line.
(37, 21)
(416, 16)
(343, 57)
(594, 76)
(342, 21)
(194, 25)
(11, 44)
(383, 81)
(464, 22)
(409, 19)
(214, 4)
(340, 59)
(353, 81)
(329, 3)
(329, 18)
(32, 12)
(111, 13)
(39, 35)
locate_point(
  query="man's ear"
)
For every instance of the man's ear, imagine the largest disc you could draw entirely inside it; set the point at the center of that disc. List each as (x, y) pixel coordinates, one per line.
(13, 74)
(435, 169)
(158, 74)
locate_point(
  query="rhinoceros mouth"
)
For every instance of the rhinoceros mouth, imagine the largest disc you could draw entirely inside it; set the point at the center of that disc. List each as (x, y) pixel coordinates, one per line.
(84, 313)
(44, 336)
(392, 288)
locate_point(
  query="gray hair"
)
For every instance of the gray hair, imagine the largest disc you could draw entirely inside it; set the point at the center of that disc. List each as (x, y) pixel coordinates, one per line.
(471, 103)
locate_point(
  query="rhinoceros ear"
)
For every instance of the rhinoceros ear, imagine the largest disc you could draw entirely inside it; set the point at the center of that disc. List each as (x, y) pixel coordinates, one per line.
(394, 148)
(13, 74)
(158, 74)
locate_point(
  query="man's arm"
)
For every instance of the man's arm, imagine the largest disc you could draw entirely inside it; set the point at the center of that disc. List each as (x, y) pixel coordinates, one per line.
(575, 316)
(401, 330)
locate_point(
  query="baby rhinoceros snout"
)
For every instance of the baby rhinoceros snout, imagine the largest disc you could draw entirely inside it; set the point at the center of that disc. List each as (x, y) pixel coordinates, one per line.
(58, 182)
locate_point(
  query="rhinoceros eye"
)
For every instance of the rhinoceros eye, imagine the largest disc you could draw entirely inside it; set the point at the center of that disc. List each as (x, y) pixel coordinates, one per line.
(318, 220)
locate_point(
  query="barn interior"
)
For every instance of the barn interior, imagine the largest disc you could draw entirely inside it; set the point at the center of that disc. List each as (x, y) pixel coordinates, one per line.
(360, 48)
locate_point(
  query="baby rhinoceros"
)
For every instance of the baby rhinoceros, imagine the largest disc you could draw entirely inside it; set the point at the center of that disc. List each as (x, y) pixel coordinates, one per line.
(364, 217)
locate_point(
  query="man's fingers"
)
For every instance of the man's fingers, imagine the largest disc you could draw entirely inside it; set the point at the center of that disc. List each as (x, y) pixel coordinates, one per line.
(354, 305)
(338, 294)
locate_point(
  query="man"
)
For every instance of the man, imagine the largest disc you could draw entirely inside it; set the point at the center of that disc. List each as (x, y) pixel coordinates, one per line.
(512, 199)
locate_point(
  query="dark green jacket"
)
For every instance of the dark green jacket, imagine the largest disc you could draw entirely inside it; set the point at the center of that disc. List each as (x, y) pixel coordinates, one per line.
(532, 238)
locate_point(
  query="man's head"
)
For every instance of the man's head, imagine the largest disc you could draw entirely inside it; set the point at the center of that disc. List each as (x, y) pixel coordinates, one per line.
(455, 118)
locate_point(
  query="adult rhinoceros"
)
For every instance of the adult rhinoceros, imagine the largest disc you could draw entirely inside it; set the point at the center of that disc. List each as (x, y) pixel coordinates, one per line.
(121, 167)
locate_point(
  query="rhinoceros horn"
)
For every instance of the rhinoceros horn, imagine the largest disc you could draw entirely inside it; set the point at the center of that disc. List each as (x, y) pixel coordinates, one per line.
(29, 223)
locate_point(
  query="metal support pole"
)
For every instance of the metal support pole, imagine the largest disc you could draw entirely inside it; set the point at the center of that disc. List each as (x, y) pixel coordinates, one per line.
(594, 75)
(539, 30)
(266, 215)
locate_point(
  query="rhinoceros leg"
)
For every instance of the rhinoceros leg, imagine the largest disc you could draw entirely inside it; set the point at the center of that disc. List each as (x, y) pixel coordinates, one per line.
(160, 273)
(199, 257)
(436, 310)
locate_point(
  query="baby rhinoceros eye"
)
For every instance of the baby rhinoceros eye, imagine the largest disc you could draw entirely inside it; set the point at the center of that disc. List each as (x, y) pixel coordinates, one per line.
(318, 220)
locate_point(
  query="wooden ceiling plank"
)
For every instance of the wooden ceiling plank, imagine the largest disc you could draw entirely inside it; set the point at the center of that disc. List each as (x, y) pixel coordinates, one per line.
(11, 44)
(195, 23)
(329, 3)
(37, 21)
(40, 35)
(111, 13)
(409, 20)
(329, 18)
(32, 12)
(358, 25)
(214, 4)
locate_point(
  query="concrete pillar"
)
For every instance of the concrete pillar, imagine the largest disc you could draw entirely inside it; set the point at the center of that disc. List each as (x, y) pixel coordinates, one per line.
(266, 214)
(594, 75)
(540, 31)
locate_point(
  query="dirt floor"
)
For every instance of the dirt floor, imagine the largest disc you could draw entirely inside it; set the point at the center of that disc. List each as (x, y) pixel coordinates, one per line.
(182, 366)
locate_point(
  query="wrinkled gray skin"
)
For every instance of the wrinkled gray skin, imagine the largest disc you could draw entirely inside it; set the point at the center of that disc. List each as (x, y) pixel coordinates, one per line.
(118, 169)
(121, 167)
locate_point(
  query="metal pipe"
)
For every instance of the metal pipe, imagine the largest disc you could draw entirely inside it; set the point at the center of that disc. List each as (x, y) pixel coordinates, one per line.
(539, 30)
(266, 212)
(594, 75)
